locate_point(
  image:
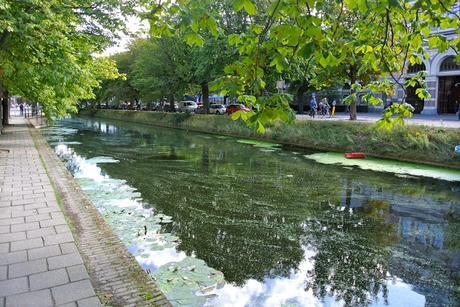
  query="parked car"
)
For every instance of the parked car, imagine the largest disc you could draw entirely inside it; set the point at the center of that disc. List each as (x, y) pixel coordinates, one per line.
(200, 110)
(187, 106)
(218, 109)
(236, 107)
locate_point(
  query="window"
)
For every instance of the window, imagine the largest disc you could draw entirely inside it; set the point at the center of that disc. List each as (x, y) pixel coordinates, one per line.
(449, 64)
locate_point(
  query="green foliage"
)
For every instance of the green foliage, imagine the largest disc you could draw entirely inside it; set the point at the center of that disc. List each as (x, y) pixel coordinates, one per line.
(355, 41)
(400, 111)
(47, 48)
(162, 68)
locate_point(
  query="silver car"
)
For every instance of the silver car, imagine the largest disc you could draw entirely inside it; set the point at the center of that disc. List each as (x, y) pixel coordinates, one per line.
(187, 106)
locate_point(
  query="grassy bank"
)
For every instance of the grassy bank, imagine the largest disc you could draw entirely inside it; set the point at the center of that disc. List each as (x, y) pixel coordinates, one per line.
(411, 143)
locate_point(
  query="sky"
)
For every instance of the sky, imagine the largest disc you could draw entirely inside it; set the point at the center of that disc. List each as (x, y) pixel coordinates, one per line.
(135, 26)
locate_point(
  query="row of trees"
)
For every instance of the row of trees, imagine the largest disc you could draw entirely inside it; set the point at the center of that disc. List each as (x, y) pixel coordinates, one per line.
(234, 47)
(241, 47)
(47, 49)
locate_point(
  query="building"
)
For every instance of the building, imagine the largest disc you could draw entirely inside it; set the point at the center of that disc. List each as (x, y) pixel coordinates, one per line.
(443, 79)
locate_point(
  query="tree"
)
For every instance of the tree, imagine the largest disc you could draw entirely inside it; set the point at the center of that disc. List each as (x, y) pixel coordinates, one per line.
(162, 68)
(366, 38)
(121, 89)
(47, 47)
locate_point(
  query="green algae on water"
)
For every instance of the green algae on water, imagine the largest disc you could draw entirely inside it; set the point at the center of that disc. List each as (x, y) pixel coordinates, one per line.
(389, 166)
(260, 144)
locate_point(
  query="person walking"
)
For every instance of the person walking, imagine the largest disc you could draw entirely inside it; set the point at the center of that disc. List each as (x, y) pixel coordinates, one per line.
(333, 108)
(21, 109)
(313, 106)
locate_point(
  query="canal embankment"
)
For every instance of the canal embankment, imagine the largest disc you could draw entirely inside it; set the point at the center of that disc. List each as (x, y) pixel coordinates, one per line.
(420, 144)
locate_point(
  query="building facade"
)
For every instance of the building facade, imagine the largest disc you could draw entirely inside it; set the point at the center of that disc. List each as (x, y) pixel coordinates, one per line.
(443, 79)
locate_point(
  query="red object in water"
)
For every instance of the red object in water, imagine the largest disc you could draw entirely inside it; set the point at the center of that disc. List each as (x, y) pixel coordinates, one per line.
(355, 155)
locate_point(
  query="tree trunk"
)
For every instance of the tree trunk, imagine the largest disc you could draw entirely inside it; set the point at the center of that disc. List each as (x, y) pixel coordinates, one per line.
(300, 97)
(353, 112)
(205, 94)
(352, 106)
(6, 108)
(171, 103)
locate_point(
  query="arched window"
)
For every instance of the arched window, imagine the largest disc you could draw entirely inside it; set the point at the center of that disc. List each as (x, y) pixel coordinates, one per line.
(449, 64)
(413, 69)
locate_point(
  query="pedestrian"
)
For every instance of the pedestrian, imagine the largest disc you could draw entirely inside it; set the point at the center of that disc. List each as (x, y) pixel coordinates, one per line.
(313, 106)
(325, 107)
(21, 108)
(333, 108)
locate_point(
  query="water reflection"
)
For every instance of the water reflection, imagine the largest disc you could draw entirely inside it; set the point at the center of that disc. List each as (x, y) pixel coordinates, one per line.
(283, 229)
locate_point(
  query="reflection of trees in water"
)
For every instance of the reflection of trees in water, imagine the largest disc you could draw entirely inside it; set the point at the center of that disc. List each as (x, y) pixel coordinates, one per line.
(235, 208)
(351, 260)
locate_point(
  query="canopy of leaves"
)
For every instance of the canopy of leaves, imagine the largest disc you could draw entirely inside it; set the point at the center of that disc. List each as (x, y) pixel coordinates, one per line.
(47, 49)
(358, 41)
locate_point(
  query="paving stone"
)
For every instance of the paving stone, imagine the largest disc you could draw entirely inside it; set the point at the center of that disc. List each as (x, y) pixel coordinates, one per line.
(5, 214)
(53, 222)
(4, 229)
(26, 244)
(14, 257)
(77, 272)
(44, 252)
(4, 248)
(36, 299)
(73, 292)
(42, 232)
(27, 268)
(13, 236)
(13, 286)
(62, 228)
(12, 221)
(3, 270)
(49, 209)
(57, 215)
(58, 239)
(38, 217)
(18, 213)
(68, 248)
(25, 226)
(89, 302)
(6, 203)
(64, 261)
(36, 205)
(72, 304)
(48, 279)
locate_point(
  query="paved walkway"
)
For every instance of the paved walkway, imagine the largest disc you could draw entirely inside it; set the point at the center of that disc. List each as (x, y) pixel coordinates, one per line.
(40, 264)
(445, 121)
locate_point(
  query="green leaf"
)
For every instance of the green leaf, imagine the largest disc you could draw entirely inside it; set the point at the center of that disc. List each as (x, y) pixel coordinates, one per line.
(249, 7)
(193, 39)
(212, 26)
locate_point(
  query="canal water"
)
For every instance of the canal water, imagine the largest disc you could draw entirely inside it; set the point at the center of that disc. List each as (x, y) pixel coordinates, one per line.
(221, 221)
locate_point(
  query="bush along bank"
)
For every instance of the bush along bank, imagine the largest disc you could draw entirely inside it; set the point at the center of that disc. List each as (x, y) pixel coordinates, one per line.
(421, 144)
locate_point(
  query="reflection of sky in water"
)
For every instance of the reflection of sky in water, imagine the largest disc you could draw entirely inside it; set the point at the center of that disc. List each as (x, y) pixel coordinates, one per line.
(127, 199)
(156, 258)
(273, 292)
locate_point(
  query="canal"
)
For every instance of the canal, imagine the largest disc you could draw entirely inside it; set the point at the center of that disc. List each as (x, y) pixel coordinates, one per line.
(222, 221)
